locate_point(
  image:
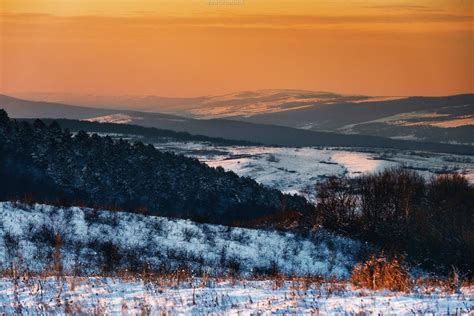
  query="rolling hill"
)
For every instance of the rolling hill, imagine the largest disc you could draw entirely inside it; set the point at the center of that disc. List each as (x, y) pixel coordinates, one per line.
(243, 103)
(434, 119)
(222, 128)
(448, 119)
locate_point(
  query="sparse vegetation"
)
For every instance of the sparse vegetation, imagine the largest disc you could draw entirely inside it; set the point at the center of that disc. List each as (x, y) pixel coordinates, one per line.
(381, 273)
(150, 294)
(89, 242)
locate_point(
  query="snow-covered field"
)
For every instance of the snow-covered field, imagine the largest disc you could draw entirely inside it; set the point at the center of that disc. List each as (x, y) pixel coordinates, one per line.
(205, 269)
(94, 241)
(119, 296)
(297, 170)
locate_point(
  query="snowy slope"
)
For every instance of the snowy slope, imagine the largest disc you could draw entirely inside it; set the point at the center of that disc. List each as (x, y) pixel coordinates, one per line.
(27, 233)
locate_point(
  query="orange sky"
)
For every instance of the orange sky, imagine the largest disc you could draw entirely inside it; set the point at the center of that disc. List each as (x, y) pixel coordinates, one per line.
(190, 48)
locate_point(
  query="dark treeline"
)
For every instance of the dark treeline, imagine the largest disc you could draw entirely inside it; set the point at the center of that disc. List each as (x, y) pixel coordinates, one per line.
(44, 163)
(431, 221)
(149, 134)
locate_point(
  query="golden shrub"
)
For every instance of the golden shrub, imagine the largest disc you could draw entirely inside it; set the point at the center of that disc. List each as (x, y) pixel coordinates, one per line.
(380, 273)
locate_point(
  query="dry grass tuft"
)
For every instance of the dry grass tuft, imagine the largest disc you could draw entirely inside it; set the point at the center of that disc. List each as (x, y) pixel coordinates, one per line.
(381, 273)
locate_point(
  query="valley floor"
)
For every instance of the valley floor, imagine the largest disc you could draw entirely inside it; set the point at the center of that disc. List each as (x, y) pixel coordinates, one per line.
(101, 295)
(297, 170)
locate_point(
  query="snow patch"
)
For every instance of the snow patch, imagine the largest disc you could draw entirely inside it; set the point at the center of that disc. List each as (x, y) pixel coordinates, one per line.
(113, 118)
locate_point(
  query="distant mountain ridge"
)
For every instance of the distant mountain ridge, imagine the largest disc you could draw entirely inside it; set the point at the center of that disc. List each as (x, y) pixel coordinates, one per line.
(337, 116)
(227, 129)
(242, 103)
(448, 119)
(40, 109)
(432, 119)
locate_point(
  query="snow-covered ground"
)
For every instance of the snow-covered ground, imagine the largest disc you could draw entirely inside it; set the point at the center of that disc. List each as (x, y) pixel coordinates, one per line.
(93, 241)
(96, 244)
(297, 170)
(104, 296)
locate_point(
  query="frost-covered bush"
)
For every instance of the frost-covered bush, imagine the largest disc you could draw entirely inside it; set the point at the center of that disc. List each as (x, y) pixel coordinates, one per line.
(96, 241)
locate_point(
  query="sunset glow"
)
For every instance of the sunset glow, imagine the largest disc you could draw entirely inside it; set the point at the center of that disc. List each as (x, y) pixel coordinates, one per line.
(190, 48)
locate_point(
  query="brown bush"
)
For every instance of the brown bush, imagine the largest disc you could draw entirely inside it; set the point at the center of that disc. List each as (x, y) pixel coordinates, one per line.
(380, 273)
